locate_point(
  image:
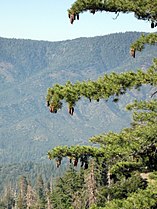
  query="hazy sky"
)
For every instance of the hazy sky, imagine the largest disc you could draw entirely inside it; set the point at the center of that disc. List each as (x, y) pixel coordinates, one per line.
(48, 20)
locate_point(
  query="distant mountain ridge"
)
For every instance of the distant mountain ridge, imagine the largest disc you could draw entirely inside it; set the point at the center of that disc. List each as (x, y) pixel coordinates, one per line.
(28, 68)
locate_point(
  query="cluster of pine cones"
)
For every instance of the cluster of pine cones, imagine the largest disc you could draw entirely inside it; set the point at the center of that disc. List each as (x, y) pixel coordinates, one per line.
(52, 108)
(73, 17)
(132, 52)
(153, 24)
(74, 161)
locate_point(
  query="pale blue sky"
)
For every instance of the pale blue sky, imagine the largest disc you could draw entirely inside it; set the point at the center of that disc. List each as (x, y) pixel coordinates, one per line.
(48, 20)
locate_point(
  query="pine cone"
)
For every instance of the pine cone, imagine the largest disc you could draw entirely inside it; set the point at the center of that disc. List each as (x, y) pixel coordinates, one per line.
(48, 103)
(49, 157)
(92, 11)
(71, 110)
(132, 52)
(58, 163)
(86, 166)
(152, 25)
(71, 19)
(51, 108)
(75, 162)
(82, 164)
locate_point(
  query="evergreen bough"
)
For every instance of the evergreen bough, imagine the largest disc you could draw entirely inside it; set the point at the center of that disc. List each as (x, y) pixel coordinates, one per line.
(132, 151)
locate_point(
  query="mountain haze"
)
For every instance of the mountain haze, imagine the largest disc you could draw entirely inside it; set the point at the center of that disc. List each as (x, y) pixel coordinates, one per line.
(27, 68)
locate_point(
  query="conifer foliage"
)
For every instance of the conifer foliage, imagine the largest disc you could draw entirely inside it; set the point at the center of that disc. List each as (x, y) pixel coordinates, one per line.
(142, 9)
(124, 162)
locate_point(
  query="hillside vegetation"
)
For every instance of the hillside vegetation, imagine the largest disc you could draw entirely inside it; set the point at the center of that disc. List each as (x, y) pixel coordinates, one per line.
(28, 68)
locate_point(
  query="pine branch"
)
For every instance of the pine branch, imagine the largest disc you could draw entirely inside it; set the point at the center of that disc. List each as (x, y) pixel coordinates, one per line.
(103, 88)
(154, 93)
(143, 105)
(142, 9)
(139, 44)
(114, 147)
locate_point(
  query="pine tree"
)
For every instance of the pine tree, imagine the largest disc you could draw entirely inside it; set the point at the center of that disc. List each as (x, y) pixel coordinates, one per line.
(48, 195)
(8, 200)
(31, 197)
(68, 190)
(22, 194)
(123, 157)
(40, 193)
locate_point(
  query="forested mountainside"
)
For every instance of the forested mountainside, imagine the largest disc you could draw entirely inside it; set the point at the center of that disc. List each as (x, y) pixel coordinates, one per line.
(28, 68)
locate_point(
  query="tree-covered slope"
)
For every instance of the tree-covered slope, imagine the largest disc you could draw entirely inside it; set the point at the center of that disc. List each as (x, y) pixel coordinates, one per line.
(28, 68)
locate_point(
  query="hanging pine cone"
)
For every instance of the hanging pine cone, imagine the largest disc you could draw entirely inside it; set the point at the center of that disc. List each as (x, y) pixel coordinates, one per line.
(70, 160)
(75, 162)
(48, 103)
(77, 16)
(69, 15)
(152, 25)
(82, 163)
(71, 19)
(82, 160)
(49, 156)
(71, 110)
(132, 52)
(86, 165)
(92, 11)
(58, 162)
(115, 100)
(52, 109)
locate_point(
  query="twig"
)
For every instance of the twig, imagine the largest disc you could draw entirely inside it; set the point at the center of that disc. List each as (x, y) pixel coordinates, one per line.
(116, 16)
(153, 93)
